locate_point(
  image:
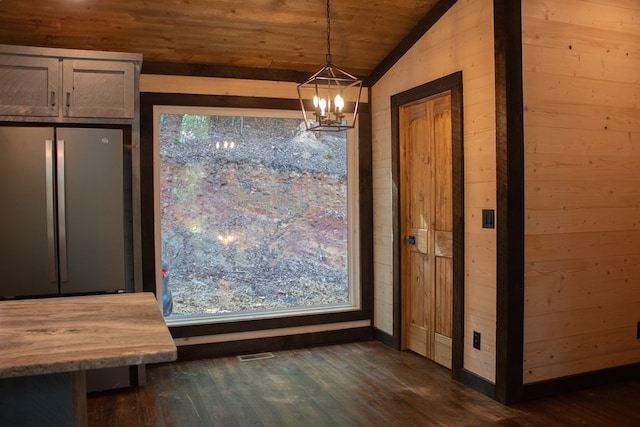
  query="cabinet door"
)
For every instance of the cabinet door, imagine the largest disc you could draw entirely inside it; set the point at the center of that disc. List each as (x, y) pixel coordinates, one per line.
(28, 86)
(98, 88)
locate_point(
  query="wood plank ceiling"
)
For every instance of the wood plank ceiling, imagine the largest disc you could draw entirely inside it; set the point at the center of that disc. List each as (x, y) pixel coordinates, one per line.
(268, 34)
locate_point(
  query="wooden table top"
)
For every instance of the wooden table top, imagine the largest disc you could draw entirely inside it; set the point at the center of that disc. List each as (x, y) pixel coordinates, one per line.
(65, 334)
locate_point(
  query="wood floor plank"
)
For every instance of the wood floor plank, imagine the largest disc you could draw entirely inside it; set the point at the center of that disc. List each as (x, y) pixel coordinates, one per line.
(360, 384)
(330, 387)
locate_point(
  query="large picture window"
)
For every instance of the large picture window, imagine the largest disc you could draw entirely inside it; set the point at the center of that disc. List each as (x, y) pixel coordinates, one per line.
(255, 215)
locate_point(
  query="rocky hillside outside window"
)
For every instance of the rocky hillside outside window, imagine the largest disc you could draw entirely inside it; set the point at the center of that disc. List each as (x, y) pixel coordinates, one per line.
(254, 215)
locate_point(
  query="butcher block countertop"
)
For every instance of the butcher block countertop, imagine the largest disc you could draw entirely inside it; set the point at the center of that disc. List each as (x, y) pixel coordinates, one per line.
(65, 334)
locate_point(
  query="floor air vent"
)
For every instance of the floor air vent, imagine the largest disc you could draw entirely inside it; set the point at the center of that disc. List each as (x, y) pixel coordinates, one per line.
(257, 356)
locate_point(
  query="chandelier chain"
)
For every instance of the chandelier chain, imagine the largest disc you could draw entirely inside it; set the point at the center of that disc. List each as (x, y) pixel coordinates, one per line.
(329, 98)
(328, 33)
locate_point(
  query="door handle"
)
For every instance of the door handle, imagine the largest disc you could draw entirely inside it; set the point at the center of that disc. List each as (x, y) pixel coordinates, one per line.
(411, 240)
(51, 248)
(62, 221)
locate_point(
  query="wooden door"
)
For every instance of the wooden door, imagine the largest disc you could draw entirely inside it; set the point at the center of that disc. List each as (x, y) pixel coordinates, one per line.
(427, 227)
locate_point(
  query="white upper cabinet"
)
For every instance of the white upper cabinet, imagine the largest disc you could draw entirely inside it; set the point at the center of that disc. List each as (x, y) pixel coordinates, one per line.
(98, 88)
(63, 85)
(29, 86)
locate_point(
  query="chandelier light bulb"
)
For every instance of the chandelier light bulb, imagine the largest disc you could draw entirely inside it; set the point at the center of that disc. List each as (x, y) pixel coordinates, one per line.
(323, 106)
(339, 103)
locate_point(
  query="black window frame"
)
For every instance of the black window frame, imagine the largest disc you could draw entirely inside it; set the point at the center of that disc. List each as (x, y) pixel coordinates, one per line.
(290, 340)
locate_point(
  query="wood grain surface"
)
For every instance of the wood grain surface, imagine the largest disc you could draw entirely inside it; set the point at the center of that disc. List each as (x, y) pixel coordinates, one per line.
(286, 35)
(582, 279)
(49, 335)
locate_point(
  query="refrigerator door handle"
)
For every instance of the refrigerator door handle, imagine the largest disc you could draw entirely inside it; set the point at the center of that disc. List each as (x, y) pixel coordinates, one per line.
(62, 223)
(51, 227)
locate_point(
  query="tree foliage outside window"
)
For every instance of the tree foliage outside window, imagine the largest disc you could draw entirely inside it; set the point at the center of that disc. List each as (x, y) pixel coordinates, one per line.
(253, 214)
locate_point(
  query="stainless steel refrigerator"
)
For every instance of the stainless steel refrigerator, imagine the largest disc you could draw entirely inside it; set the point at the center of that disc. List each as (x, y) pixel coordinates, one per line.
(62, 211)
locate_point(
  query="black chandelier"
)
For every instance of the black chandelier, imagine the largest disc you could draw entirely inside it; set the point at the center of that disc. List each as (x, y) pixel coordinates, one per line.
(330, 97)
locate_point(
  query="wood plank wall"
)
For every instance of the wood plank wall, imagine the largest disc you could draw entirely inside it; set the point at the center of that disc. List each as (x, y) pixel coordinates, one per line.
(581, 78)
(217, 86)
(461, 40)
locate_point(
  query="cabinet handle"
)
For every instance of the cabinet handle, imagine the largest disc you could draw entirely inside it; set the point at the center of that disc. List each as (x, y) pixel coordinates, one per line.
(68, 99)
(53, 98)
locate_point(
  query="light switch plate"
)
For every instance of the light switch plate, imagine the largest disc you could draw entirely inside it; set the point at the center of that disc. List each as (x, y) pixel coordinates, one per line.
(488, 218)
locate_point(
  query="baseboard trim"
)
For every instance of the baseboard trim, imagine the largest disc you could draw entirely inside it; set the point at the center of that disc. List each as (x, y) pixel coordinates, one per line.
(478, 383)
(581, 381)
(384, 338)
(288, 342)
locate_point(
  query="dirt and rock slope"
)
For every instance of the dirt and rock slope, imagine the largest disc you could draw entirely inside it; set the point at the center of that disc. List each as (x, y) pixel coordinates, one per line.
(253, 214)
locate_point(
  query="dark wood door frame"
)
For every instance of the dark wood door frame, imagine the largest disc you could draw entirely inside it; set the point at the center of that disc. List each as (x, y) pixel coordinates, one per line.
(452, 82)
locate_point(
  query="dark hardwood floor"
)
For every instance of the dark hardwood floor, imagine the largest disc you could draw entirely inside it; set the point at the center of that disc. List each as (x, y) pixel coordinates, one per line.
(360, 384)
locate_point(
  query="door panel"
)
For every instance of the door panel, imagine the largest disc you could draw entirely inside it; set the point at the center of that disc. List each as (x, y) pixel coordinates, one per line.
(93, 203)
(427, 226)
(444, 296)
(443, 233)
(442, 352)
(421, 238)
(417, 339)
(442, 178)
(443, 243)
(416, 219)
(28, 267)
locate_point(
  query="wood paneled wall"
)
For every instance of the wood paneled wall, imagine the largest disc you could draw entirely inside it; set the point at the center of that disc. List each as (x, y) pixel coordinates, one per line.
(581, 78)
(217, 86)
(461, 40)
